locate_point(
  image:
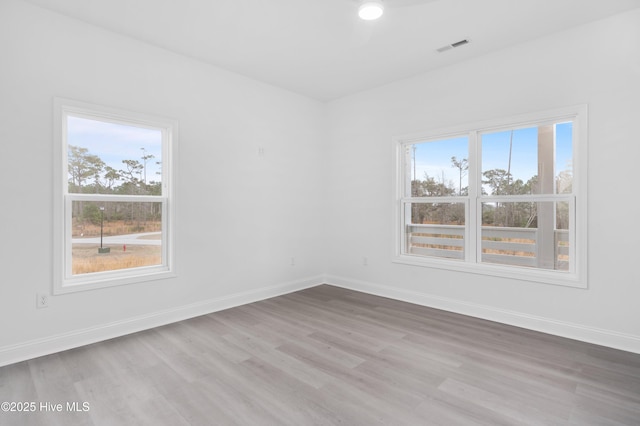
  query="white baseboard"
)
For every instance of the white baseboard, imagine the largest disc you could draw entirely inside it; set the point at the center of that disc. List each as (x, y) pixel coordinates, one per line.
(612, 339)
(57, 343)
(73, 339)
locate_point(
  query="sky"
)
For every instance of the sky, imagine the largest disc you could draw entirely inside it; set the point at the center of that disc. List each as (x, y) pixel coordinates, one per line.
(116, 142)
(434, 157)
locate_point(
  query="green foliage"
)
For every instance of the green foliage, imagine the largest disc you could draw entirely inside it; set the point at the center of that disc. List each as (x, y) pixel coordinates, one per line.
(90, 175)
(499, 182)
(83, 166)
(429, 187)
(463, 167)
(91, 213)
(443, 213)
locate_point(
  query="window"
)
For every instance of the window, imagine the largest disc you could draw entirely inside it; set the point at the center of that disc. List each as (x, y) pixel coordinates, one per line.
(504, 198)
(113, 197)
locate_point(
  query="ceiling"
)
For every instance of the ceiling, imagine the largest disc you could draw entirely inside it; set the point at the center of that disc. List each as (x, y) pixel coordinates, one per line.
(320, 48)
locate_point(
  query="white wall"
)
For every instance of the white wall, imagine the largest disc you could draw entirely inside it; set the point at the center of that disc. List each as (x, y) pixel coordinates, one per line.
(597, 64)
(240, 218)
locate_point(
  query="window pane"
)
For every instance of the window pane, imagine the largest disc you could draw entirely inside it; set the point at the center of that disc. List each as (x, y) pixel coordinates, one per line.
(439, 168)
(435, 229)
(108, 236)
(534, 160)
(109, 158)
(533, 234)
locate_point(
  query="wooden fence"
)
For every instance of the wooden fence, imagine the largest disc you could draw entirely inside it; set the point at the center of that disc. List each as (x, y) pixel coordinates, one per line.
(503, 245)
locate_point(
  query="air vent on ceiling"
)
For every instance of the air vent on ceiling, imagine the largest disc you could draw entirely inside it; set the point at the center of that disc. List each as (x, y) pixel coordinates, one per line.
(452, 45)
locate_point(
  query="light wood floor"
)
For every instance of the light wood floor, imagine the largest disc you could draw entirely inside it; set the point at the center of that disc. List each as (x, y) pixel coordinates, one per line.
(331, 356)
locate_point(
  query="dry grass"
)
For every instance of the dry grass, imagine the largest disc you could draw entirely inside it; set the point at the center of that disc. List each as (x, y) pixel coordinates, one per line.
(511, 252)
(438, 246)
(86, 259)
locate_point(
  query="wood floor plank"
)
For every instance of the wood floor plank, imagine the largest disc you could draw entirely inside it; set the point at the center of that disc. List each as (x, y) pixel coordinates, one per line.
(354, 378)
(53, 384)
(311, 376)
(197, 408)
(331, 356)
(304, 309)
(300, 404)
(313, 324)
(518, 412)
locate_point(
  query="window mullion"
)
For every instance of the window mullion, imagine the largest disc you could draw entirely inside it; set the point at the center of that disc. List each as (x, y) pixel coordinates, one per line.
(475, 182)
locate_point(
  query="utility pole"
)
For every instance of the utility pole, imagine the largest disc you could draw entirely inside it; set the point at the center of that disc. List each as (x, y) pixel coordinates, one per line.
(102, 249)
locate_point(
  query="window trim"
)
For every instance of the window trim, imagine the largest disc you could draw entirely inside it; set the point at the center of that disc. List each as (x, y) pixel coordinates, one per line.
(577, 277)
(63, 282)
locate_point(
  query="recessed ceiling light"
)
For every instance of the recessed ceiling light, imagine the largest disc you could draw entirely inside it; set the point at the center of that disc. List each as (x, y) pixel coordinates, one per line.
(370, 10)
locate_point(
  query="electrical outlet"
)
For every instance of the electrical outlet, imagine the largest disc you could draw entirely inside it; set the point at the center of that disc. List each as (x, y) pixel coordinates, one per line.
(42, 300)
(365, 261)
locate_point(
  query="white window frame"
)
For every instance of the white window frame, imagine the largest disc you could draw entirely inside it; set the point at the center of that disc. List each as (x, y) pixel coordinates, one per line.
(63, 280)
(576, 276)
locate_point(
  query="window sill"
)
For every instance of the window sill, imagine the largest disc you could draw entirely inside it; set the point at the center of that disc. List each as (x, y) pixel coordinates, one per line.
(104, 280)
(520, 273)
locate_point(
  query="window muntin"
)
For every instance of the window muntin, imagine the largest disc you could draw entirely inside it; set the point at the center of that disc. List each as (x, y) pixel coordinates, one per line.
(113, 208)
(525, 217)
